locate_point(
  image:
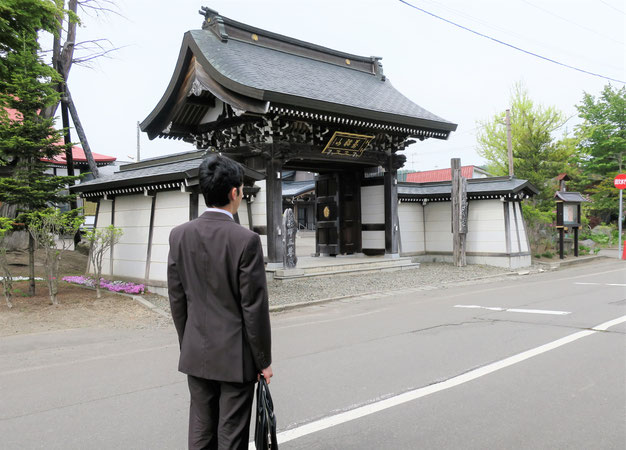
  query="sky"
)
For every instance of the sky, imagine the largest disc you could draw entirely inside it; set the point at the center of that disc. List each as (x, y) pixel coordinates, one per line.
(449, 71)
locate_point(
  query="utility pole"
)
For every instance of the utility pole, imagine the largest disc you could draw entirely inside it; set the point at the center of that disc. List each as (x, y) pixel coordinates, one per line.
(138, 141)
(509, 144)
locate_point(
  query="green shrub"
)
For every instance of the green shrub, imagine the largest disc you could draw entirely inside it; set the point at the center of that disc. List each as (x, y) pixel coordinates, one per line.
(548, 255)
(602, 239)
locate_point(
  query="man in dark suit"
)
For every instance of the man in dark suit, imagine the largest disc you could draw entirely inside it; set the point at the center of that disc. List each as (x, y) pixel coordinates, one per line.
(218, 296)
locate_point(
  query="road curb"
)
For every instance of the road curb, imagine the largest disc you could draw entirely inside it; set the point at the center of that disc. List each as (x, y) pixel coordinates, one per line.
(151, 306)
(571, 262)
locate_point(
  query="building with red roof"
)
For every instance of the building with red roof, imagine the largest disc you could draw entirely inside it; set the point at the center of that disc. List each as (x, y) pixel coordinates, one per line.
(79, 158)
(78, 154)
(431, 176)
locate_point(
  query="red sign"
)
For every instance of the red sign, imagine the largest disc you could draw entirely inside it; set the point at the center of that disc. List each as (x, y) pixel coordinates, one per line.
(620, 181)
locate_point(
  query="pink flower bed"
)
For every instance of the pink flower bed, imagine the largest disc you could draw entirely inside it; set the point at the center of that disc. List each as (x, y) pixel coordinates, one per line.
(113, 286)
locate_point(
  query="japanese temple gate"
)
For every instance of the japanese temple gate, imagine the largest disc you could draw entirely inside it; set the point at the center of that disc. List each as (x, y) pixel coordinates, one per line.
(273, 103)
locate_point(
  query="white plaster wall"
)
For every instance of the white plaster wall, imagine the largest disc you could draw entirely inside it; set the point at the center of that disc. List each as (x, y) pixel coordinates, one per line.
(171, 209)
(373, 206)
(437, 222)
(411, 217)
(486, 230)
(522, 227)
(104, 220)
(201, 205)
(373, 239)
(132, 214)
(509, 262)
(513, 228)
(259, 212)
(243, 214)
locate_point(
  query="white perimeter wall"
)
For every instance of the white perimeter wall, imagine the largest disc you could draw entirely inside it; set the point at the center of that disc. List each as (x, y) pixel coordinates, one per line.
(104, 220)
(132, 214)
(525, 245)
(171, 209)
(519, 243)
(437, 223)
(259, 212)
(243, 214)
(486, 230)
(411, 217)
(373, 212)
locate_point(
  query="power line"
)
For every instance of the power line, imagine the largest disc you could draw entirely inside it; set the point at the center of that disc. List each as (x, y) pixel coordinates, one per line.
(510, 45)
(509, 32)
(571, 21)
(613, 7)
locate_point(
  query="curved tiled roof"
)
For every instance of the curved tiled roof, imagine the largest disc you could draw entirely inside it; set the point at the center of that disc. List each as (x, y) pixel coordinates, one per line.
(276, 73)
(252, 69)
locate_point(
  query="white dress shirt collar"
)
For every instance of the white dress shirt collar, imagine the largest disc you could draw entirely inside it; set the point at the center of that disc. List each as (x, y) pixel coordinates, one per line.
(223, 211)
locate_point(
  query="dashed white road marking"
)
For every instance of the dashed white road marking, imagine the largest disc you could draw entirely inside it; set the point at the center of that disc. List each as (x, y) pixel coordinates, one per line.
(603, 284)
(516, 310)
(381, 405)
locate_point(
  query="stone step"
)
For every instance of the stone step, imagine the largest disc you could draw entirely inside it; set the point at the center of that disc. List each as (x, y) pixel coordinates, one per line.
(349, 267)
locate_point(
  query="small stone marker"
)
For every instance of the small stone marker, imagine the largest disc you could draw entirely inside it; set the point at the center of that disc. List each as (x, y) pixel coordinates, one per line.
(290, 227)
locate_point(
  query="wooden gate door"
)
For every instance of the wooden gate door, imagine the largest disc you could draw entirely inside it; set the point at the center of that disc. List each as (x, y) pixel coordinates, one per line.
(326, 214)
(338, 213)
(349, 213)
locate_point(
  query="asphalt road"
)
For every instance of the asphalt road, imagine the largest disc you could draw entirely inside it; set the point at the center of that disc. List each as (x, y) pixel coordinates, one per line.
(545, 367)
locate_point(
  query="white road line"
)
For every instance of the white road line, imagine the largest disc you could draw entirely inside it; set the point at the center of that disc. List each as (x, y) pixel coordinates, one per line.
(516, 310)
(375, 407)
(603, 284)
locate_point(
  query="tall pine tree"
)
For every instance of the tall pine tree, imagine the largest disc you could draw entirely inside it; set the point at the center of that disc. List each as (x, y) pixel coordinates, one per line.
(27, 87)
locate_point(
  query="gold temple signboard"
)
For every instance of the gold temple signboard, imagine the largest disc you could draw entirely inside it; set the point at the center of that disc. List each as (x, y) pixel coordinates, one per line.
(347, 144)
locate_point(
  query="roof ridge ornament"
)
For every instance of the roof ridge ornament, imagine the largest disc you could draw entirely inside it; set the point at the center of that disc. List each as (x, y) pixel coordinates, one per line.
(378, 67)
(214, 22)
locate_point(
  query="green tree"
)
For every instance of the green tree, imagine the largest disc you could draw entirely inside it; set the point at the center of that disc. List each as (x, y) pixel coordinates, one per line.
(53, 231)
(537, 155)
(28, 86)
(603, 132)
(20, 21)
(6, 226)
(602, 149)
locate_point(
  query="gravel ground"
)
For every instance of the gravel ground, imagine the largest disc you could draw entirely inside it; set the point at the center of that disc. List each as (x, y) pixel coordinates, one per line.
(317, 288)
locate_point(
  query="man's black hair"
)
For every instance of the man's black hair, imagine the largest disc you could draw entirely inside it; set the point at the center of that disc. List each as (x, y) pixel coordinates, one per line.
(217, 176)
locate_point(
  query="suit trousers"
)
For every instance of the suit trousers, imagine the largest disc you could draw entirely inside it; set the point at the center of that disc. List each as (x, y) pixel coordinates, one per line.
(219, 414)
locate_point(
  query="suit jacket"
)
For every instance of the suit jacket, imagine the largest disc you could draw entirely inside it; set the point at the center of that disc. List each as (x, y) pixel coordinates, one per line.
(218, 296)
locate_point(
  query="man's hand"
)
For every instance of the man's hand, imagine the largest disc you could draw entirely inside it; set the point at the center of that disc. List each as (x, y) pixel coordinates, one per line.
(267, 374)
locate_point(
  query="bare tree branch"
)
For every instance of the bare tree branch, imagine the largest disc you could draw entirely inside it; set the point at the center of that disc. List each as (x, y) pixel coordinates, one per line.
(86, 59)
(99, 7)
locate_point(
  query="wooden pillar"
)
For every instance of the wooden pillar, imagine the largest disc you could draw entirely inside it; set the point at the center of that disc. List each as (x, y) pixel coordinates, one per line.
(392, 229)
(150, 235)
(112, 246)
(193, 204)
(576, 241)
(459, 213)
(274, 189)
(561, 235)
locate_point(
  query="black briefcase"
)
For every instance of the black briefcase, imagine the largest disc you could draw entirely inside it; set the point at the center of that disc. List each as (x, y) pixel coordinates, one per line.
(265, 429)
